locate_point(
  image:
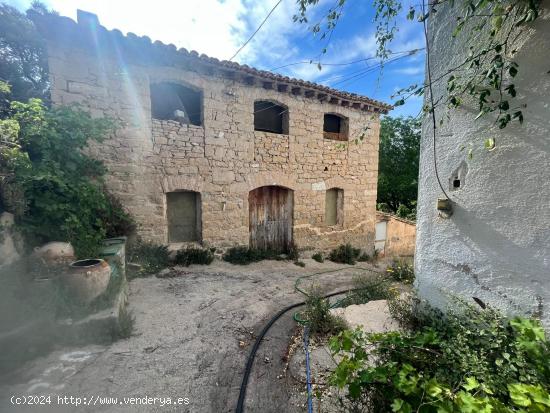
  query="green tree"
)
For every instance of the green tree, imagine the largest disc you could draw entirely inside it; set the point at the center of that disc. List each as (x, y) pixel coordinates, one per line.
(55, 190)
(398, 162)
(61, 187)
(486, 28)
(23, 58)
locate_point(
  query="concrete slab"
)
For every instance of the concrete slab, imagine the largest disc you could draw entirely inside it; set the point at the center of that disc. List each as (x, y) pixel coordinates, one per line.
(372, 317)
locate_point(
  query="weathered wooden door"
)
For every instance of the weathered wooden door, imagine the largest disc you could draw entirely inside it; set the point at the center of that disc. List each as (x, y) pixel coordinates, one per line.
(271, 218)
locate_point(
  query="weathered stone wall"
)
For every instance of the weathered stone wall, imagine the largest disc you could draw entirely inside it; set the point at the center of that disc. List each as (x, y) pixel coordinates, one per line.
(400, 235)
(224, 158)
(496, 245)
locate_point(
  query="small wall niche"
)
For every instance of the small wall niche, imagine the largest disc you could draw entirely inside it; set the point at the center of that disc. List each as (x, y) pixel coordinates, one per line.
(458, 177)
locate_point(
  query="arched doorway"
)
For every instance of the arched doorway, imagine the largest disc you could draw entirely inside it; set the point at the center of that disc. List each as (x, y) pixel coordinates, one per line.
(271, 210)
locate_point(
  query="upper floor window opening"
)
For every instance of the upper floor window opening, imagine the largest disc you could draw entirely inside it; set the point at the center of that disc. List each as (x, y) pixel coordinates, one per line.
(172, 101)
(270, 117)
(335, 127)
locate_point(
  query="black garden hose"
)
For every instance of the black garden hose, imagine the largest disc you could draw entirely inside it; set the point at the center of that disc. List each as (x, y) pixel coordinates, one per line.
(250, 361)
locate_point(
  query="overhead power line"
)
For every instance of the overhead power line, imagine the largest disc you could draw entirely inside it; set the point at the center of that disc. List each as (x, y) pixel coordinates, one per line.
(257, 30)
(366, 59)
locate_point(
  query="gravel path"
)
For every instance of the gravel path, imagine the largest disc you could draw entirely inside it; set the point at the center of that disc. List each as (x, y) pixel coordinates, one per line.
(192, 336)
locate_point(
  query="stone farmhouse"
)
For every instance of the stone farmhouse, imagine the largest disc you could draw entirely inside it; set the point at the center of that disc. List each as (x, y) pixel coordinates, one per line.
(216, 152)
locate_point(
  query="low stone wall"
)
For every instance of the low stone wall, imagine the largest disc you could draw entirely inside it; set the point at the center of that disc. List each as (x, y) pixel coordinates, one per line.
(400, 235)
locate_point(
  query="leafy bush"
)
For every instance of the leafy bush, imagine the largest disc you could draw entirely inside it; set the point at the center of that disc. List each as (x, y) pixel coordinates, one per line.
(367, 289)
(300, 263)
(242, 255)
(192, 255)
(293, 253)
(152, 257)
(318, 316)
(401, 271)
(318, 257)
(126, 324)
(345, 254)
(116, 219)
(62, 189)
(466, 361)
(364, 257)
(403, 211)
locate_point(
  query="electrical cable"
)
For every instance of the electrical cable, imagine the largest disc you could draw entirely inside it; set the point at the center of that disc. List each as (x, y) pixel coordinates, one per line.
(429, 72)
(366, 59)
(368, 70)
(257, 30)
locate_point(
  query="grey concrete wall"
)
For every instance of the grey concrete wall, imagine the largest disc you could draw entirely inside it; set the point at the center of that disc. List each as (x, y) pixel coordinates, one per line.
(496, 245)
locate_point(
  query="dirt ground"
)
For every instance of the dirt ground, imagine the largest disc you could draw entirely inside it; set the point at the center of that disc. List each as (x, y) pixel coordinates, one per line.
(193, 333)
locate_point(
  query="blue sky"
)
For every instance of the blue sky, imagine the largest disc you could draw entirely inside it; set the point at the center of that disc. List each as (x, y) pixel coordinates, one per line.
(219, 27)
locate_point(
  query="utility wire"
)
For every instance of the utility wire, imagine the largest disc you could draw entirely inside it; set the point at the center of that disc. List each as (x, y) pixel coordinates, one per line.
(257, 30)
(364, 72)
(432, 109)
(303, 62)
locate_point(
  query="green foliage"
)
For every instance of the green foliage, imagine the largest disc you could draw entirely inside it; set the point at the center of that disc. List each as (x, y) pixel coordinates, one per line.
(466, 361)
(401, 271)
(293, 253)
(300, 263)
(190, 255)
(368, 288)
(318, 317)
(364, 257)
(116, 219)
(126, 324)
(23, 57)
(488, 31)
(345, 254)
(399, 151)
(242, 255)
(405, 212)
(318, 256)
(64, 196)
(150, 256)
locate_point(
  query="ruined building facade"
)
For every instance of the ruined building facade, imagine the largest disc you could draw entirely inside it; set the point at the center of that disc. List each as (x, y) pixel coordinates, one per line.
(216, 152)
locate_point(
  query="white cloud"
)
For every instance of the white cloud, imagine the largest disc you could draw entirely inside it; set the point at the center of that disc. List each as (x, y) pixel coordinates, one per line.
(213, 27)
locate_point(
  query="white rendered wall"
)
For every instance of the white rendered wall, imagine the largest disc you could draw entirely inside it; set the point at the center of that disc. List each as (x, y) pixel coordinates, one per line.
(496, 245)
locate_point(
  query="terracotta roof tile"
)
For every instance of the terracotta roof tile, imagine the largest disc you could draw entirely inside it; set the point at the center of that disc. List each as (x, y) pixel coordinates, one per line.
(64, 30)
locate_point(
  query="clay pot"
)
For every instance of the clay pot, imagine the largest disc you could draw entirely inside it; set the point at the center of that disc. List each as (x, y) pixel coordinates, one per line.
(87, 279)
(54, 252)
